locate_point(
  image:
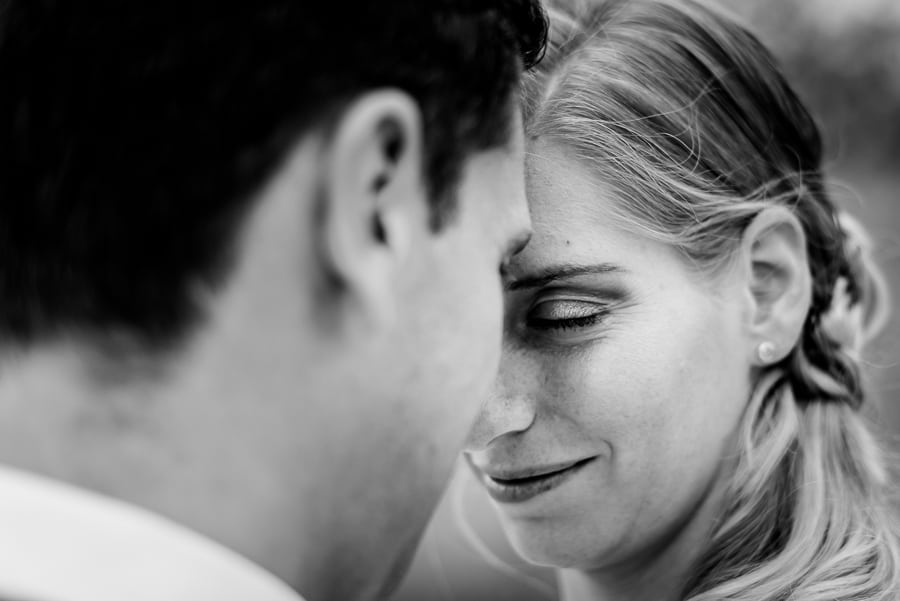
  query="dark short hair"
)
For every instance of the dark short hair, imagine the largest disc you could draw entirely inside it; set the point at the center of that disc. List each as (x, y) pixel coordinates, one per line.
(134, 135)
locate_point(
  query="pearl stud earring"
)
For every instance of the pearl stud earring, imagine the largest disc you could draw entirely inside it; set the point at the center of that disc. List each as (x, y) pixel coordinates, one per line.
(766, 351)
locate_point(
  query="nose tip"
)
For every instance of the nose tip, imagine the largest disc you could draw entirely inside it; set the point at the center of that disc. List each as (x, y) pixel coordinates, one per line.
(499, 416)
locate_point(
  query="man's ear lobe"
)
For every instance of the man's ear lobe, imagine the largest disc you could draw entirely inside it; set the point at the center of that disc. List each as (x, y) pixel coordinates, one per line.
(372, 194)
(778, 280)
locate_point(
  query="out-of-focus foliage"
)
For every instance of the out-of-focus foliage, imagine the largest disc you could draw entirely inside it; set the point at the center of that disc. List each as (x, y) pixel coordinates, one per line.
(843, 56)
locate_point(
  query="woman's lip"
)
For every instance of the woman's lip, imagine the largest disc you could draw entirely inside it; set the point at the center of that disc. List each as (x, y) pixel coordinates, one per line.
(529, 472)
(517, 486)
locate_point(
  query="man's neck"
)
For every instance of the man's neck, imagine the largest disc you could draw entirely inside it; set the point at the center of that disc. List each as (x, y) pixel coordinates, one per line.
(61, 419)
(156, 444)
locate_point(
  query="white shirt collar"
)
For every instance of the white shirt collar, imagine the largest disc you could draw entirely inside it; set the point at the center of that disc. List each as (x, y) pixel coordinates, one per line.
(61, 543)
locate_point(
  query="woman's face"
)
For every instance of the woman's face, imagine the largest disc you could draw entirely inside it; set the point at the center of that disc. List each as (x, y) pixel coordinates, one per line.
(623, 379)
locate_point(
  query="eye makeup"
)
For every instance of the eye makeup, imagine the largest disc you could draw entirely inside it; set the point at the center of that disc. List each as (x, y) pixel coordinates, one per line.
(565, 304)
(562, 314)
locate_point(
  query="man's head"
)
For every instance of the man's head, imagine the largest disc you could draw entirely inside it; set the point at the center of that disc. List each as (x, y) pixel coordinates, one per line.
(257, 248)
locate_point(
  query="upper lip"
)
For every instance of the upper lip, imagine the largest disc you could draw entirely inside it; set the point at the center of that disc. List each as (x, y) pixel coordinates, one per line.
(520, 473)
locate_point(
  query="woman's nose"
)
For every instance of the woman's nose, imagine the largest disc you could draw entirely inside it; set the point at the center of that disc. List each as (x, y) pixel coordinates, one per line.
(509, 408)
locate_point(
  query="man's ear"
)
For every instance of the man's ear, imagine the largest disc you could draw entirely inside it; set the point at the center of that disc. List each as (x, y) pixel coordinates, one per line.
(374, 198)
(773, 251)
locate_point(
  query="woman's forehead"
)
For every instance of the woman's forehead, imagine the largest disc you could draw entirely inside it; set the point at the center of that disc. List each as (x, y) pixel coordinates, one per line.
(573, 212)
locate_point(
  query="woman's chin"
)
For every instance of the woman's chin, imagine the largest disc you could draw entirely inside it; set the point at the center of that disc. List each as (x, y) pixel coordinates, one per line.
(546, 545)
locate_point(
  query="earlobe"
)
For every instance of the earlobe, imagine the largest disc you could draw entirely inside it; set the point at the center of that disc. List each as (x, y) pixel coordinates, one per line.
(373, 197)
(779, 283)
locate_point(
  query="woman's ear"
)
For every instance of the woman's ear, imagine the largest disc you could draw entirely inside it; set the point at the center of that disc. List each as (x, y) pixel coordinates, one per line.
(374, 202)
(773, 250)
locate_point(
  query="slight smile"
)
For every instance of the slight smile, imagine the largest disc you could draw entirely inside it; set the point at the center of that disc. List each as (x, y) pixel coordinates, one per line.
(517, 486)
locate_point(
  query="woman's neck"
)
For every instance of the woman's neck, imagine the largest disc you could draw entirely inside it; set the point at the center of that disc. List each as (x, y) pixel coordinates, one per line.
(654, 581)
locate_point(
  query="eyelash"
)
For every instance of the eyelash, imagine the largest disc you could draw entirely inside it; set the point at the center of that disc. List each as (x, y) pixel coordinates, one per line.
(568, 323)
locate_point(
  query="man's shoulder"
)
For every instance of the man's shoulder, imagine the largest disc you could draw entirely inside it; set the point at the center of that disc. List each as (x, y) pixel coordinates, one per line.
(101, 549)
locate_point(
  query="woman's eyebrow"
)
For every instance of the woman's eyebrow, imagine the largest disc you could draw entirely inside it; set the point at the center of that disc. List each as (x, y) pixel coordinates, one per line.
(557, 272)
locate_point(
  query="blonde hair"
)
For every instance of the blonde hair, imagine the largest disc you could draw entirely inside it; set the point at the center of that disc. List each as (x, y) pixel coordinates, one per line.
(687, 117)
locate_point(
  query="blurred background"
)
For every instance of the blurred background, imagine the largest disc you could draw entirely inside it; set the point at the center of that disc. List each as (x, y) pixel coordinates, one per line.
(843, 56)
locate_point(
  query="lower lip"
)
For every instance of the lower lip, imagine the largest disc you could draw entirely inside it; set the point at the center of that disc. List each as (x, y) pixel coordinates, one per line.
(519, 491)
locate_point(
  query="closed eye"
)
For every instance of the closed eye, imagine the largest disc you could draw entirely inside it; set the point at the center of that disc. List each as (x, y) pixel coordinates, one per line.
(566, 314)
